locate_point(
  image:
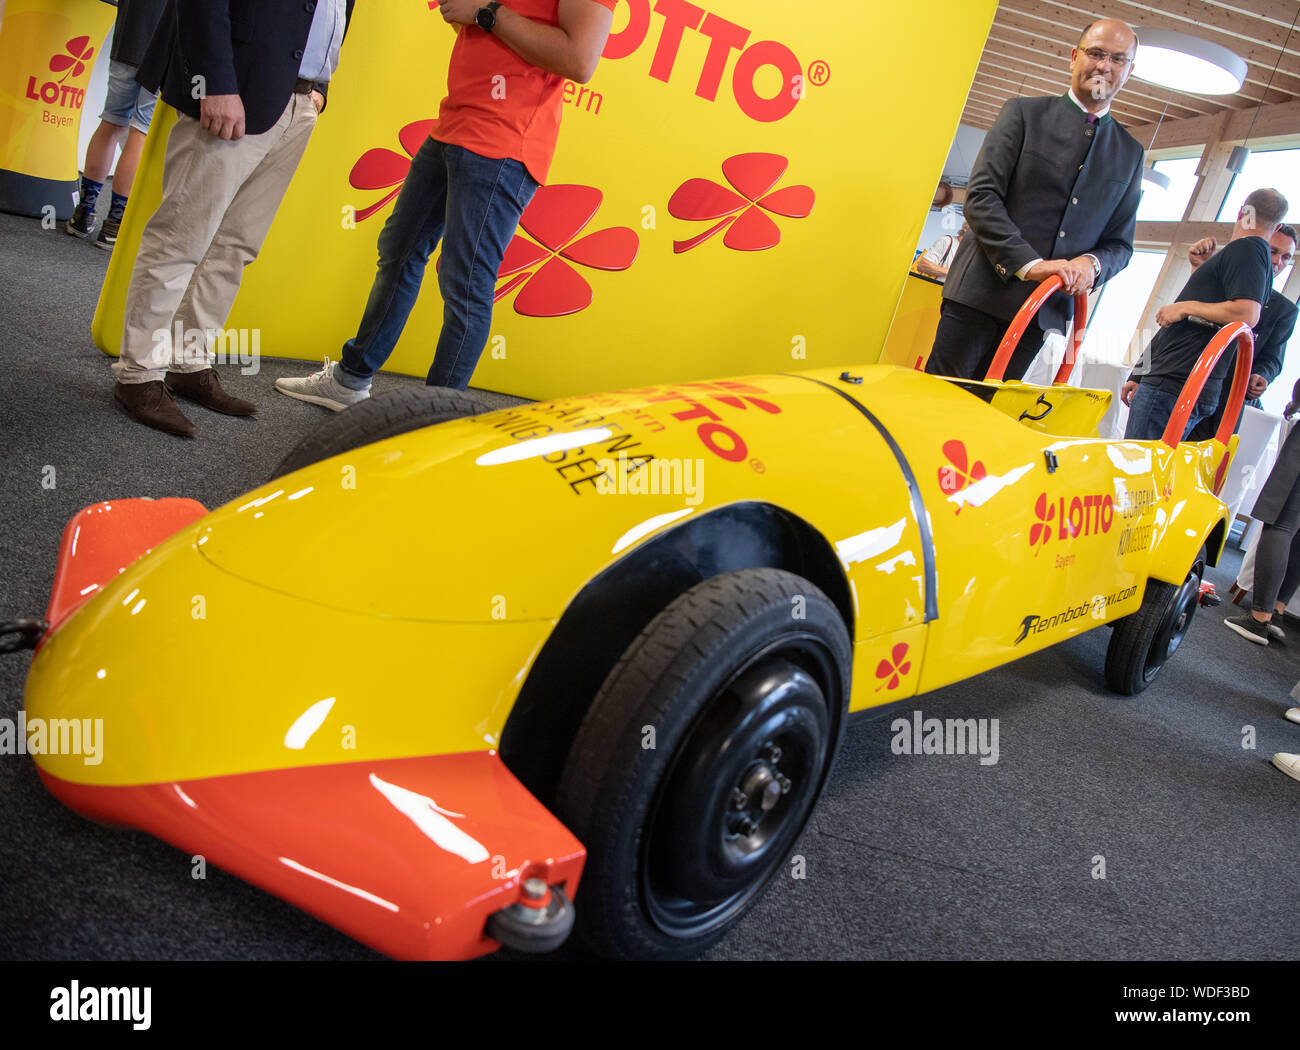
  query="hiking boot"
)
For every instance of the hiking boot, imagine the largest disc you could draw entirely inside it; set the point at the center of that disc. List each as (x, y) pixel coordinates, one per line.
(152, 405)
(204, 388)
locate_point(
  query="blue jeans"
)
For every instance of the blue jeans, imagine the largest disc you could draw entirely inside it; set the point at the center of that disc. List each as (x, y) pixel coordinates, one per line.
(1149, 414)
(472, 204)
(127, 103)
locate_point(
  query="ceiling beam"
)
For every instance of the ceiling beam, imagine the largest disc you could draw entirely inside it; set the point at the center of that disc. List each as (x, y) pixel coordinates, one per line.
(977, 119)
(1031, 61)
(1254, 39)
(1045, 35)
(1264, 21)
(1168, 233)
(1281, 119)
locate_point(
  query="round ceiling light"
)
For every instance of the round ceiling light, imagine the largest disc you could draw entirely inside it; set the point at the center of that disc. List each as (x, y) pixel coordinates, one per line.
(1187, 63)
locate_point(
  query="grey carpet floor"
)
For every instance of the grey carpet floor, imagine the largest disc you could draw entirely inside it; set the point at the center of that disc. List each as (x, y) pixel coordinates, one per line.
(907, 857)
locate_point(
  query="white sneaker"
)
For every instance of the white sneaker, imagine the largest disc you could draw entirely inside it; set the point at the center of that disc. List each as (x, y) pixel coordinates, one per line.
(1292, 715)
(1289, 764)
(321, 388)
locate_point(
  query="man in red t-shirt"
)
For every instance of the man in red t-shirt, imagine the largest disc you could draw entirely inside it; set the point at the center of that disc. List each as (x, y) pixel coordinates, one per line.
(469, 183)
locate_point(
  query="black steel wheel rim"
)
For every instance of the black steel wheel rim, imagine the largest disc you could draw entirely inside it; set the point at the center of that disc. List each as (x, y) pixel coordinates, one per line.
(707, 851)
(1174, 627)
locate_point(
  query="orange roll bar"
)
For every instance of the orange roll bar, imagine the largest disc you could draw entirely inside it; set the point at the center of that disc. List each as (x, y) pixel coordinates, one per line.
(1021, 321)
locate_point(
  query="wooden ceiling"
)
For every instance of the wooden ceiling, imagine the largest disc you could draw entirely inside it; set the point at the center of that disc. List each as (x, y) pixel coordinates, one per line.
(1028, 53)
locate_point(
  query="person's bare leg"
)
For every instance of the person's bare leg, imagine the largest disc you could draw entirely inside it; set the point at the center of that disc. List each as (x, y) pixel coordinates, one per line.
(99, 154)
(124, 173)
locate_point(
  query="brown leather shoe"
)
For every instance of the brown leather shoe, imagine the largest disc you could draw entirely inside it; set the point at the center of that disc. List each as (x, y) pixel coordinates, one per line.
(205, 389)
(152, 405)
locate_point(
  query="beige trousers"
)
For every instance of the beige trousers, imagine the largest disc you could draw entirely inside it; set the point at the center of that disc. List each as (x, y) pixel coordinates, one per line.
(218, 200)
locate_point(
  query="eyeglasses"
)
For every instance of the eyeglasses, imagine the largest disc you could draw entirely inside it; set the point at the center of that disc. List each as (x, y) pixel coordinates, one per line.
(1097, 55)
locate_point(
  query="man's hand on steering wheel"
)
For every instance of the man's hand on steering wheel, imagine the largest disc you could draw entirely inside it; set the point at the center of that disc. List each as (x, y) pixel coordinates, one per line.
(1076, 274)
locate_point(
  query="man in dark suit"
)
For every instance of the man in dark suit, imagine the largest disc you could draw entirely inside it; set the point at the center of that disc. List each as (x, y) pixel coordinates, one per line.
(1272, 332)
(1054, 191)
(248, 78)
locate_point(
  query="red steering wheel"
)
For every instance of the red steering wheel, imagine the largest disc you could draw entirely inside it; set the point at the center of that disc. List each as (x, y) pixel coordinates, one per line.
(1021, 321)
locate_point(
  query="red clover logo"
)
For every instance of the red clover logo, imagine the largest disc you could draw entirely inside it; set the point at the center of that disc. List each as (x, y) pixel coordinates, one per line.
(894, 668)
(743, 214)
(551, 287)
(1041, 531)
(382, 169)
(73, 64)
(540, 268)
(954, 475)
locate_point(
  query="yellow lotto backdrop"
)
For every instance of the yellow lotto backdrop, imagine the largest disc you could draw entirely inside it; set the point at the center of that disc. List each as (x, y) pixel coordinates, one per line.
(47, 51)
(739, 189)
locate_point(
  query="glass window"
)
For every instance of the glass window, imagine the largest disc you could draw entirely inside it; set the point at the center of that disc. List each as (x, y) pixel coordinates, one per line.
(1118, 308)
(1278, 168)
(1169, 205)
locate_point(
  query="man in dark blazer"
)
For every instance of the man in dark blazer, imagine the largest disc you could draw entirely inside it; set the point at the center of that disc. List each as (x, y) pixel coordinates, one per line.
(248, 79)
(1054, 191)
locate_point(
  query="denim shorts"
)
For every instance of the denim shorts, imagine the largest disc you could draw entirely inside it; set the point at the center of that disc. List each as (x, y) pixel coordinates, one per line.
(126, 102)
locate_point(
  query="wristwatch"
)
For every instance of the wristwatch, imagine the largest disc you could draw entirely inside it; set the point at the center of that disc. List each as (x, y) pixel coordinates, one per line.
(486, 16)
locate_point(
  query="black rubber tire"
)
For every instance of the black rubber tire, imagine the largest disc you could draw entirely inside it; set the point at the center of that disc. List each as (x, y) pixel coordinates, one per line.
(725, 665)
(377, 418)
(1143, 641)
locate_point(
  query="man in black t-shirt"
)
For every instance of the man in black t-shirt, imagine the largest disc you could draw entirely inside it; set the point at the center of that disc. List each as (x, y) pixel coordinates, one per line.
(1277, 322)
(1232, 286)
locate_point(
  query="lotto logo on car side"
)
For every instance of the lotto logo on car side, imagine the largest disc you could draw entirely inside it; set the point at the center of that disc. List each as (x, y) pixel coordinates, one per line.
(1070, 517)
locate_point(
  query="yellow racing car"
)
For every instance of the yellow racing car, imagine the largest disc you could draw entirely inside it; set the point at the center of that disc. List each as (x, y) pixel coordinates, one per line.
(602, 649)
